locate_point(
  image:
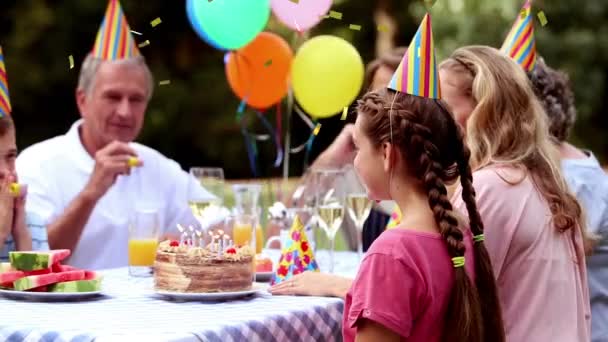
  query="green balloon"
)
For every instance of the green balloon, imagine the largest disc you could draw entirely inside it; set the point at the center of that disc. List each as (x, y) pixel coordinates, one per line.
(232, 24)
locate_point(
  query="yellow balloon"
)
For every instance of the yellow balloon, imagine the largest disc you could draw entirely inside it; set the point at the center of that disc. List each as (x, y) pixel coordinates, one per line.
(326, 75)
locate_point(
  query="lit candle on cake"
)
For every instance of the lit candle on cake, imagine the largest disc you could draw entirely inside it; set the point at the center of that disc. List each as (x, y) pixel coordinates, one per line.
(191, 242)
(181, 230)
(200, 238)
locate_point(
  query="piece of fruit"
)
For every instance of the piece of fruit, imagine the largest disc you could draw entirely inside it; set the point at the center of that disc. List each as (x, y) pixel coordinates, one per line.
(31, 261)
(30, 282)
(76, 286)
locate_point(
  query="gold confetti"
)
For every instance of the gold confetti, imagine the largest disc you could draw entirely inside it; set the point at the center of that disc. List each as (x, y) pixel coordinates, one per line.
(344, 113)
(165, 82)
(543, 19)
(155, 22)
(145, 43)
(523, 14)
(135, 32)
(317, 128)
(15, 189)
(132, 162)
(71, 60)
(295, 1)
(354, 27)
(335, 15)
(268, 63)
(382, 28)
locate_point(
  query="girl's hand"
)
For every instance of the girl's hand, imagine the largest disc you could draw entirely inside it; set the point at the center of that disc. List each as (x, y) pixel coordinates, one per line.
(21, 235)
(7, 209)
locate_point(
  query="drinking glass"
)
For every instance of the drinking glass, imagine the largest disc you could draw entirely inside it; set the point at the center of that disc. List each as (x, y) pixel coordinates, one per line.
(247, 229)
(358, 205)
(212, 180)
(144, 229)
(330, 205)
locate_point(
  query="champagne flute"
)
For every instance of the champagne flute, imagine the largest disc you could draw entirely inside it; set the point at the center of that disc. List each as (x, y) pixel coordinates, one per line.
(330, 205)
(359, 206)
(210, 178)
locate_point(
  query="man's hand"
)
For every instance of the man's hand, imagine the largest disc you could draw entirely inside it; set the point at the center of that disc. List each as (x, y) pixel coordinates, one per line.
(110, 162)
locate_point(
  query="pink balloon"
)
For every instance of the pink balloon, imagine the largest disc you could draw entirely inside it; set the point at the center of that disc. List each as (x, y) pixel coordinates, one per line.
(302, 15)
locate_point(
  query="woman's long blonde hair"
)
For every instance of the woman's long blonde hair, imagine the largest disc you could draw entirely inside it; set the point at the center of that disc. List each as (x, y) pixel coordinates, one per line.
(509, 126)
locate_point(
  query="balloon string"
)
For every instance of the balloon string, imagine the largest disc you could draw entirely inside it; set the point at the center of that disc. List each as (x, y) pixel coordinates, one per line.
(266, 123)
(308, 143)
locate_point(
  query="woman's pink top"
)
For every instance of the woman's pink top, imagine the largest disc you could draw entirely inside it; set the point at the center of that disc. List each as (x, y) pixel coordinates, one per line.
(540, 272)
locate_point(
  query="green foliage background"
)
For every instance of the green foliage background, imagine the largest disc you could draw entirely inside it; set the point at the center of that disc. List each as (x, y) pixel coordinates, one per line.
(193, 119)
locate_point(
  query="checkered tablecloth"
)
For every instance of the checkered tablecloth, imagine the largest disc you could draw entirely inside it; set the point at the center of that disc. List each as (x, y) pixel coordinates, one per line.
(130, 311)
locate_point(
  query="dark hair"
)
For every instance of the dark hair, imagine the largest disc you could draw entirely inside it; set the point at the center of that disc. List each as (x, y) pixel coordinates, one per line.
(431, 142)
(390, 60)
(552, 87)
(6, 124)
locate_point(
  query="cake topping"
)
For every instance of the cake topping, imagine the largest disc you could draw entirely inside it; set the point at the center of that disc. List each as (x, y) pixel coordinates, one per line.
(231, 250)
(173, 243)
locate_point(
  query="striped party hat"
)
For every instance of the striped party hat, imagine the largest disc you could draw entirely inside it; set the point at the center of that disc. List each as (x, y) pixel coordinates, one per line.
(114, 40)
(417, 74)
(5, 101)
(520, 44)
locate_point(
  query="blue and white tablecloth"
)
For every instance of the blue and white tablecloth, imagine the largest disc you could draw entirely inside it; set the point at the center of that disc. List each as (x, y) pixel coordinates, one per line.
(129, 311)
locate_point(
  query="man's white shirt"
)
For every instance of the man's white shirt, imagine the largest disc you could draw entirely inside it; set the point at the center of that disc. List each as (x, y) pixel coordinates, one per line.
(57, 170)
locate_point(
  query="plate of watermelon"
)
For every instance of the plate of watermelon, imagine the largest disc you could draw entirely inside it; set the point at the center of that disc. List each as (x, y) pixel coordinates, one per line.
(39, 275)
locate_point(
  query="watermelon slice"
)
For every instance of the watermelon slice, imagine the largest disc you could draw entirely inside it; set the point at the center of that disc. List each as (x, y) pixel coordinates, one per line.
(77, 286)
(5, 267)
(30, 261)
(63, 268)
(31, 282)
(11, 276)
(39, 289)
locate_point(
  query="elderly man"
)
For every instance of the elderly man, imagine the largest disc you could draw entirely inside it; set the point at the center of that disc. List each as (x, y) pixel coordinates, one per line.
(87, 183)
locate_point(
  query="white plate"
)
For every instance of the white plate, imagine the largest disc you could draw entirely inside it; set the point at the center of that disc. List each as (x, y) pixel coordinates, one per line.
(263, 276)
(212, 296)
(48, 296)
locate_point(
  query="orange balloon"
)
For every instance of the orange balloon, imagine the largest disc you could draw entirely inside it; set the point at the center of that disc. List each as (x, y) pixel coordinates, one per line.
(259, 71)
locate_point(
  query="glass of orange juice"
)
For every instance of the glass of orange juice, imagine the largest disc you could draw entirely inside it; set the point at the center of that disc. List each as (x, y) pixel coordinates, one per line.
(143, 240)
(242, 232)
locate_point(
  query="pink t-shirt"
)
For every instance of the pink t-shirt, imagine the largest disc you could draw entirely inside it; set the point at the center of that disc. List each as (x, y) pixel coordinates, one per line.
(540, 272)
(404, 283)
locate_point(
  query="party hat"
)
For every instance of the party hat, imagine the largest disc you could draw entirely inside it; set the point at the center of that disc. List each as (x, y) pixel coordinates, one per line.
(5, 101)
(395, 219)
(520, 44)
(114, 40)
(296, 256)
(417, 74)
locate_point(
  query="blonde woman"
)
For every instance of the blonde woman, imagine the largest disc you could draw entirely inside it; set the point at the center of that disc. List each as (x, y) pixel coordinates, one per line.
(534, 227)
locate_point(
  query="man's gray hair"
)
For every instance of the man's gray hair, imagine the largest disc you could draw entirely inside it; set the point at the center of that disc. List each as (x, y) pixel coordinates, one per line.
(91, 64)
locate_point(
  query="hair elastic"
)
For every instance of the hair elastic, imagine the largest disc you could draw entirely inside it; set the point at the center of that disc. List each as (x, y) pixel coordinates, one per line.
(458, 261)
(478, 238)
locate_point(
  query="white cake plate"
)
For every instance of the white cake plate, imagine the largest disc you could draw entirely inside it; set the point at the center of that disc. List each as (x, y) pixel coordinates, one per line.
(213, 296)
(48, 296)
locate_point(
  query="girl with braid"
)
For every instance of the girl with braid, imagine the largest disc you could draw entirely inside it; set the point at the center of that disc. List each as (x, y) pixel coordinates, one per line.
(425, 280)
(535, 230)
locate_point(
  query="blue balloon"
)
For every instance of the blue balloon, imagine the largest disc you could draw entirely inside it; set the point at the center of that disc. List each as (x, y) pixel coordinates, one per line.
(191, 12)
(228, 24)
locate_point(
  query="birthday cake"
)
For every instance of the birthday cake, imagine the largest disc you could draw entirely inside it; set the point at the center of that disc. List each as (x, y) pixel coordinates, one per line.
(185, 268)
